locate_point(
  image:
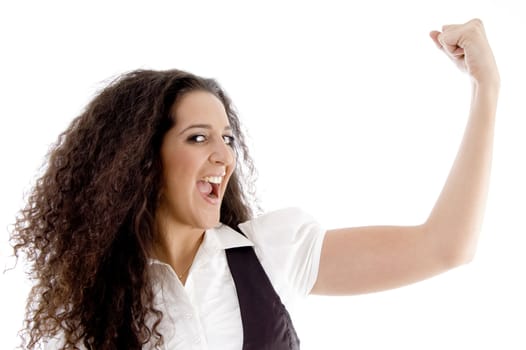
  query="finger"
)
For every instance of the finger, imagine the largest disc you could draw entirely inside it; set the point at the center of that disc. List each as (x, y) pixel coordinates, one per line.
(450, 27)
(449, 41)
(458, 52)
(434, 35)
(452, 51)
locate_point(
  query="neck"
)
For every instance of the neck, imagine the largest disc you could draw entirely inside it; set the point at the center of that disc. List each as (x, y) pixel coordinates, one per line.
(176, 244)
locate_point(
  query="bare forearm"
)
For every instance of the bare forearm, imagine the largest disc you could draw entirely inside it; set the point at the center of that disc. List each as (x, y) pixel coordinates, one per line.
(455, 221)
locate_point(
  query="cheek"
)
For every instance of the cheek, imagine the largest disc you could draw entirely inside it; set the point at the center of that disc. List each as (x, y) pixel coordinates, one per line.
(231, 174)
(180, 167)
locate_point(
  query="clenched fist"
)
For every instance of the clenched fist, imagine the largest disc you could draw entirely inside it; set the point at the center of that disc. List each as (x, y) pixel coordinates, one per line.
(466, 44)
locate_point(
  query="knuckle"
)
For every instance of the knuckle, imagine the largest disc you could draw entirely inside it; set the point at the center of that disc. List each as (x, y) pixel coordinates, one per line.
(477, 21)
(477, 24)
(477, 27)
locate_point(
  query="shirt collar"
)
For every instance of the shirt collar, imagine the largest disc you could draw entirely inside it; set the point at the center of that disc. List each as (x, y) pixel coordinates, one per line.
(227, 238)
(218, 238)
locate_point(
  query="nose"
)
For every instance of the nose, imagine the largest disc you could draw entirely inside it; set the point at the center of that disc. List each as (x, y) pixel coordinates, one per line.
(222, 153)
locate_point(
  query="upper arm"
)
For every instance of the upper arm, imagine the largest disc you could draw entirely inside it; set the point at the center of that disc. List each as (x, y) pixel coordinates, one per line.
(368, 259)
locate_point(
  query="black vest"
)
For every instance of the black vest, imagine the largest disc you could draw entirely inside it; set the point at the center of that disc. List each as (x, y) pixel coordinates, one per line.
(266, 322)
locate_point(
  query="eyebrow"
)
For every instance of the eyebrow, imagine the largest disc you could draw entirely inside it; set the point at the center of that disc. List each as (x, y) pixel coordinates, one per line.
(203, 126)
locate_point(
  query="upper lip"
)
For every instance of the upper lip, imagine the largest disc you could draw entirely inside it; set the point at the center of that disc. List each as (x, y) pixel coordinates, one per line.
(216, 180)
(222, 174)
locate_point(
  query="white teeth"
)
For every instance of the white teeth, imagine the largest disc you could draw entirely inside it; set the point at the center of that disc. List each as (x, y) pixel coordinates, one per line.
(213, 179)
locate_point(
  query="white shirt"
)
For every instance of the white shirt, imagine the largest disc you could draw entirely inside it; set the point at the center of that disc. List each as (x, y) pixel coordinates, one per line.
(204, 313)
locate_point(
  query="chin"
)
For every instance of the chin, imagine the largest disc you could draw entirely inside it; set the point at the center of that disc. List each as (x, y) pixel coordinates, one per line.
(209, 222)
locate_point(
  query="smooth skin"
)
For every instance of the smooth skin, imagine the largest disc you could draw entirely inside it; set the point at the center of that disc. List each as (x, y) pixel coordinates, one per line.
(369, 259)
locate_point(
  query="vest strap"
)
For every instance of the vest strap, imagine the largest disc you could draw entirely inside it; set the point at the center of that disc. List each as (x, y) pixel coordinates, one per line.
(266, 322)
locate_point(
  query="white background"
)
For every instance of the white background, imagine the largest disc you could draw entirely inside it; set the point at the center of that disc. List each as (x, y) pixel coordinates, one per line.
(353, 115)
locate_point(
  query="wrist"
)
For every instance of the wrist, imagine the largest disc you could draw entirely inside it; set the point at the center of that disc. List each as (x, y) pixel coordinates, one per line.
(485, 95)
(489, 86)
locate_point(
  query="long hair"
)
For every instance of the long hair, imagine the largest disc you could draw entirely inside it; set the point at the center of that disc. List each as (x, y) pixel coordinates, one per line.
(88, 227)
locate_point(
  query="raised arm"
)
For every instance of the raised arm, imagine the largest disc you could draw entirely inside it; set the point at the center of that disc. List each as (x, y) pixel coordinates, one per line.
(367, 259)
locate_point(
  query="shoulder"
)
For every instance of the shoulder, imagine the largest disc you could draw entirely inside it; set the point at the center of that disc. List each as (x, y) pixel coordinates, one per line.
(288, 244)
(283, 225)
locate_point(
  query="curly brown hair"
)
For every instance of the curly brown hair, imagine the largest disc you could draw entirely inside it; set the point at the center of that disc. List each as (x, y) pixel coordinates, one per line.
(88, 227)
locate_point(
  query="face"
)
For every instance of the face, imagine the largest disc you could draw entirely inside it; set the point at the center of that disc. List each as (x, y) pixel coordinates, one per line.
(198, 160)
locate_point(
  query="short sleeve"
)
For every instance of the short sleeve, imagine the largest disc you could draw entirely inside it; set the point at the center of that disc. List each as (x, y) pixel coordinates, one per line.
(288, 244)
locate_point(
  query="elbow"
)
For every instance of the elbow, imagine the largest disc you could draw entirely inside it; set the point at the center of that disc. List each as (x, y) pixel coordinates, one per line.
(462, 259)
(454, 249)
(460, 255)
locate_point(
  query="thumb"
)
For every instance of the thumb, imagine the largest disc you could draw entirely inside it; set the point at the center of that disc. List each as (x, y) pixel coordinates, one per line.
(449, 41)
(434, 35)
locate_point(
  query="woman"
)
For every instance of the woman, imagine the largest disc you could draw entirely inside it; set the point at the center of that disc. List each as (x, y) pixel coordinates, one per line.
(141, 233)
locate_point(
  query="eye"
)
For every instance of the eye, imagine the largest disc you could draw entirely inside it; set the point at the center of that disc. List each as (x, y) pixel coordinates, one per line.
(197, 138)
(229, 140)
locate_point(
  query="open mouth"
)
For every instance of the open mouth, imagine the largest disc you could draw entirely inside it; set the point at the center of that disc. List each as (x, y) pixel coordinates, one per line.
(214, 193)
(209, 188)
